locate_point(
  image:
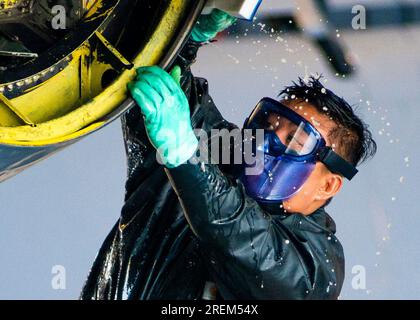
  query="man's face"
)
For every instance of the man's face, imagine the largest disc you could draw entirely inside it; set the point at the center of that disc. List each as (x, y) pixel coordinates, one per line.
(321, 184)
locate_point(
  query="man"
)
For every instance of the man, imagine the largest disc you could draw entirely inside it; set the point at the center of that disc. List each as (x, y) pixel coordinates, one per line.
(224, 234)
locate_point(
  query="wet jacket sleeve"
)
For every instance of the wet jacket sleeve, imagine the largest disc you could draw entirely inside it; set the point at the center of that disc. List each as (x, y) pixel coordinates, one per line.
(141, 156)
(252, 254)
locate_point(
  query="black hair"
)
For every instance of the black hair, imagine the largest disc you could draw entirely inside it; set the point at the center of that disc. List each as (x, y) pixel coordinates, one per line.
(352, 138)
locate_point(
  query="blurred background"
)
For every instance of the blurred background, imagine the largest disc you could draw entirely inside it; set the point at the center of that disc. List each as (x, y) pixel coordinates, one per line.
(59, 212)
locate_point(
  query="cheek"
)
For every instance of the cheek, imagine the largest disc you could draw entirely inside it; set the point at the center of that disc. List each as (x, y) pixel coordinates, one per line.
(301, 200)
(310, 187)
(306, 195)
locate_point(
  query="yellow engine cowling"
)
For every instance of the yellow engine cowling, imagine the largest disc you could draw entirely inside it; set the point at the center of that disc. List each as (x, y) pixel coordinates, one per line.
(78, 84)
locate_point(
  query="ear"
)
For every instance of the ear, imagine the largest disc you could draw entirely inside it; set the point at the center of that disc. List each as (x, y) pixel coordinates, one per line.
(331, 185)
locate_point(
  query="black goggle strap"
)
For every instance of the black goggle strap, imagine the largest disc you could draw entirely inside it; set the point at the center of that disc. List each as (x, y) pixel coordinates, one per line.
(337, 164)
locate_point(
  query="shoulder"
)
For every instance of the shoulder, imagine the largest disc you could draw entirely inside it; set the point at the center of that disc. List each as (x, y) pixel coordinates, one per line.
(317, 234)
(323, 220)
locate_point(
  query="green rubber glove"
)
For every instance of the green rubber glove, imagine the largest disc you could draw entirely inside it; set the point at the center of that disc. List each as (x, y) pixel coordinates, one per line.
(208, 26)
(166, 114)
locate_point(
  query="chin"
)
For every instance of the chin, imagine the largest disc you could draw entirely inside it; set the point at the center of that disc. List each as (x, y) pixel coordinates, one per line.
(291, 206)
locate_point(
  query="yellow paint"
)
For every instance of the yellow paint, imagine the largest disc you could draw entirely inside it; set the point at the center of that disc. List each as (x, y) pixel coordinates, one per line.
(87, 4)
(112, 49)
(86, 118)
(5, 102)
(10, 119)
(8, 4)
(93, 10)
(55, 97)
(56, 140)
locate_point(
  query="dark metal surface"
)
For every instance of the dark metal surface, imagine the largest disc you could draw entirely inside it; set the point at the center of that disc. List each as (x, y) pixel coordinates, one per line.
(29, 22)
(18, 54)
(63, 47)
(16, 11)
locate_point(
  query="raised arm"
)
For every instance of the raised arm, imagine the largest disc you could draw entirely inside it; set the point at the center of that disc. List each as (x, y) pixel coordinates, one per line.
(140, 153)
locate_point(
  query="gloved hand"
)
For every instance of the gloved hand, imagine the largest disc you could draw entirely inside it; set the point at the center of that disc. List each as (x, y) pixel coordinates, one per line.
(208, 26)
(166, 114)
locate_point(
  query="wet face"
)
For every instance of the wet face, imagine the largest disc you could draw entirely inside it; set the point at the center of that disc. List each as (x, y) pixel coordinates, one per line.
(321, 184)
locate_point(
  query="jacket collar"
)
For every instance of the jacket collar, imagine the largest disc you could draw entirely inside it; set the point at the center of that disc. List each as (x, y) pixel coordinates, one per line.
(323, 219)
(320, 217)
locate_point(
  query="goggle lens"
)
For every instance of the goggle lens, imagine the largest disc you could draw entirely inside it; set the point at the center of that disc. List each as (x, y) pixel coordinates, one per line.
(284, 135)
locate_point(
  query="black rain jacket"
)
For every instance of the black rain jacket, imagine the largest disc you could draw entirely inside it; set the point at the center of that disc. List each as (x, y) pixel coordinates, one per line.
(173, 238)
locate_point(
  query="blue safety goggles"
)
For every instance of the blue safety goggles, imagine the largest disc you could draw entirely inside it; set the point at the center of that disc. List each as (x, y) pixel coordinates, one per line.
(290, 150)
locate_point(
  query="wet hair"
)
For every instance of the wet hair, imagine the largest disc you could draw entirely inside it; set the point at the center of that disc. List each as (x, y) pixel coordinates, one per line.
(351, 137)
